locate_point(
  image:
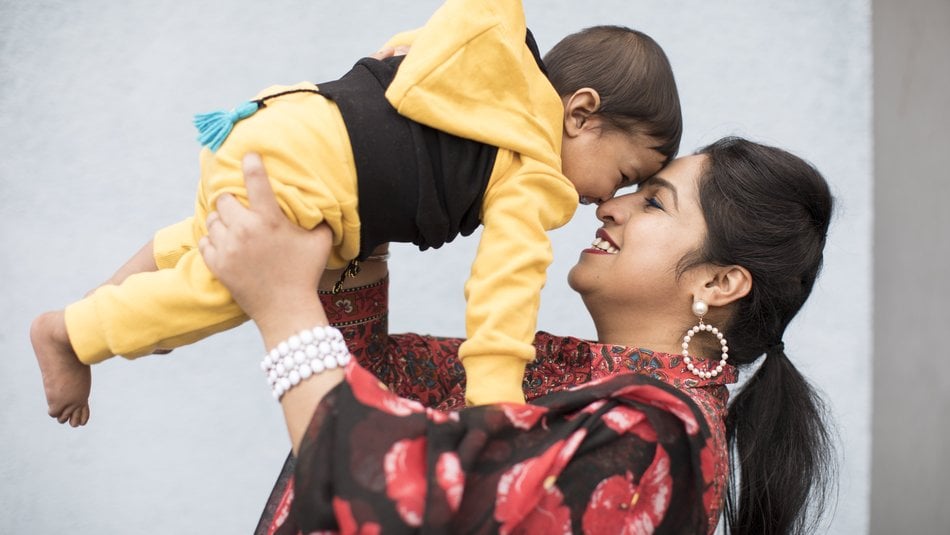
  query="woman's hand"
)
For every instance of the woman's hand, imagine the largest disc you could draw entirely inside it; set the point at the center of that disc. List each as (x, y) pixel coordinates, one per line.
(270, 265)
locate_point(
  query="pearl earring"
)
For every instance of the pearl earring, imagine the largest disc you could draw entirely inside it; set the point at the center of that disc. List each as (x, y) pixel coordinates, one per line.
(700, 308)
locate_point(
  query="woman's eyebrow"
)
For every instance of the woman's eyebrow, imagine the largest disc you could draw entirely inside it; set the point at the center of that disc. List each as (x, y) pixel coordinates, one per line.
(660, 182)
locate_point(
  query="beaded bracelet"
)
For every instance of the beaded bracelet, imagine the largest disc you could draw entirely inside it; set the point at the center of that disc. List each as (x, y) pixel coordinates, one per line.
(309, 352)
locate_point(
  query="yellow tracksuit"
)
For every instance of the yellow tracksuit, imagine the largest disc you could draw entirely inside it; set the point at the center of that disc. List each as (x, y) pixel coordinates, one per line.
(469, 74)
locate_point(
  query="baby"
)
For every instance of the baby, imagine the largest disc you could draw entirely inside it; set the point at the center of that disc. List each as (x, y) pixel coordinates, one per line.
(470, 128)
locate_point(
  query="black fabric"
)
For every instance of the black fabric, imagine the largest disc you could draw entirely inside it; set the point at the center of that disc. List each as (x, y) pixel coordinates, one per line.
(268, 515)
(533, 47)
(416, 184)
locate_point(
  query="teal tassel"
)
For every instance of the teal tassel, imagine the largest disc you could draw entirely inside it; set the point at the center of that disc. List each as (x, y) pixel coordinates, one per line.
(214, 127)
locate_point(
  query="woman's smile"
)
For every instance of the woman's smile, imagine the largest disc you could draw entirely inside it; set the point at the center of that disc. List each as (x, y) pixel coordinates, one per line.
(602, 244)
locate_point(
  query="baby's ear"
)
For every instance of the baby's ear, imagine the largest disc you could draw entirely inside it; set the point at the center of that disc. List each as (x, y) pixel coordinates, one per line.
(578, 109)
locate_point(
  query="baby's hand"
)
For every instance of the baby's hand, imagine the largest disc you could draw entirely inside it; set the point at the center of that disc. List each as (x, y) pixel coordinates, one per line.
(66, 380)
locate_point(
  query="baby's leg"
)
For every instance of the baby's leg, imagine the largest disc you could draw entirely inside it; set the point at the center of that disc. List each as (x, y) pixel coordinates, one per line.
(141, 262)
(66, 381)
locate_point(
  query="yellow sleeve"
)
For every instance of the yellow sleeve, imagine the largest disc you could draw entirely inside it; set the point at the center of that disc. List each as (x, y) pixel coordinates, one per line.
(504, 291)
(470, 74)
(173, 241)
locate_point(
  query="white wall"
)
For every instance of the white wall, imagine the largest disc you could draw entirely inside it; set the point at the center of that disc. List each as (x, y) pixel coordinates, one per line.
(96, 99)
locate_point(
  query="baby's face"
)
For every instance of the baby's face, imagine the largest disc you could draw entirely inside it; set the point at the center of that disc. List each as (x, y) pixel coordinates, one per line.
(599, 161)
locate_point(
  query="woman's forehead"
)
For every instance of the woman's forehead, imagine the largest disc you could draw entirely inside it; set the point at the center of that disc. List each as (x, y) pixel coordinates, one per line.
(683, 174)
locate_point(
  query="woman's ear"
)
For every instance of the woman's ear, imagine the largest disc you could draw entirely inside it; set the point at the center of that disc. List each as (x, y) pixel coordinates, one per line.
(578, 109)
(725, 285)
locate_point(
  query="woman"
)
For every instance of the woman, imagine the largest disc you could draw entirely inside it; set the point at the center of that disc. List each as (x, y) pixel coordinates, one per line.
(617, 437)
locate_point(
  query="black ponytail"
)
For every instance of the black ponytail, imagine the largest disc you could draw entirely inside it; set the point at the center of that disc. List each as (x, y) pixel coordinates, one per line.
(782, 453)
(769, 211)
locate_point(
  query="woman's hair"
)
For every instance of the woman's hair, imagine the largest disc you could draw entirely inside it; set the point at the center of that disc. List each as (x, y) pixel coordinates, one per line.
(769, 211)
(631, 74)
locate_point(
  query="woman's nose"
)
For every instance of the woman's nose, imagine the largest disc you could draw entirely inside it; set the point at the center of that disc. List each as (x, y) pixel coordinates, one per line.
(607, 211)
(617, 209)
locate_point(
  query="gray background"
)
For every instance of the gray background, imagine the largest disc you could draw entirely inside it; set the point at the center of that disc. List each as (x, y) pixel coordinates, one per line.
(911, 423)
(96, 100)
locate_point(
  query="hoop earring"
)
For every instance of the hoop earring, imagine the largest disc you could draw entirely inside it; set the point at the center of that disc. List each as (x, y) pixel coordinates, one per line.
(699, 309)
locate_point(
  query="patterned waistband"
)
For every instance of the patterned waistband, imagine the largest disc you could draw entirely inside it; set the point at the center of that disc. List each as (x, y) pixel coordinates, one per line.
(356, 306)
(362, 315)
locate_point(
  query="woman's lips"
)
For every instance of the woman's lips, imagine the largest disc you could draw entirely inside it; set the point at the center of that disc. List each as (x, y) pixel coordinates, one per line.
(602, 234)
(602, 244)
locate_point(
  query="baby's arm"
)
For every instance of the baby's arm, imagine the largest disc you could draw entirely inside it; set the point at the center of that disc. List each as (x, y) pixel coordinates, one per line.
(503, 292)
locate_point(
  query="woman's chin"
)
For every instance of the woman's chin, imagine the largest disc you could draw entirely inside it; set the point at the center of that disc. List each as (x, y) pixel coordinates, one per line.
(577, 279)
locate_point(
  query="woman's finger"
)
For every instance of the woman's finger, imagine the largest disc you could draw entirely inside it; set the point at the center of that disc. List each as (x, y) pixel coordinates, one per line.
(85, 415)
(213, 218)
(208, 253)
(259, 191)
(205, 246)
(217, 232)
(229, 209)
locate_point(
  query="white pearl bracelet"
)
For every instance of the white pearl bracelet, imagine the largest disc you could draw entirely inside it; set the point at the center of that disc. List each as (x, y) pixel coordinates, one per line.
(309, 352)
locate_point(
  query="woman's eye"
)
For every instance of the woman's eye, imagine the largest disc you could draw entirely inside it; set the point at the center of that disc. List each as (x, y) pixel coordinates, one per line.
(653, 202)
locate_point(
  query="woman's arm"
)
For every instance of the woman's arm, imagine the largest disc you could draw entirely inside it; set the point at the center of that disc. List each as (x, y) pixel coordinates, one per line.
(271, 267)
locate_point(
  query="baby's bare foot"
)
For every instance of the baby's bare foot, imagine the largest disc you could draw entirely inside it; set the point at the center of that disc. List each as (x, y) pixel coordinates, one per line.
(66, 380)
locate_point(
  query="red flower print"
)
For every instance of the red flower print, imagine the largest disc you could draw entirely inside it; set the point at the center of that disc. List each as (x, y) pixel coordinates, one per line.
(620, 506)
(440, 417)
(570, 446)
(550, 516)
(404, 465)
(627, 420)
(521, 487)
(451, 478)
(707, 459)
(664, 400)
(372, 393)
(594, 407)
(283, 508)
(348, 524)
(523, 416)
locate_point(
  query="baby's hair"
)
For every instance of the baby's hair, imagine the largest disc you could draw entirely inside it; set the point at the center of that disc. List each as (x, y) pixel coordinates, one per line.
(632, 75)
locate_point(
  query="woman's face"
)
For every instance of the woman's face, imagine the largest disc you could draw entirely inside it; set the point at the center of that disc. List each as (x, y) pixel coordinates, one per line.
(634, 257)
